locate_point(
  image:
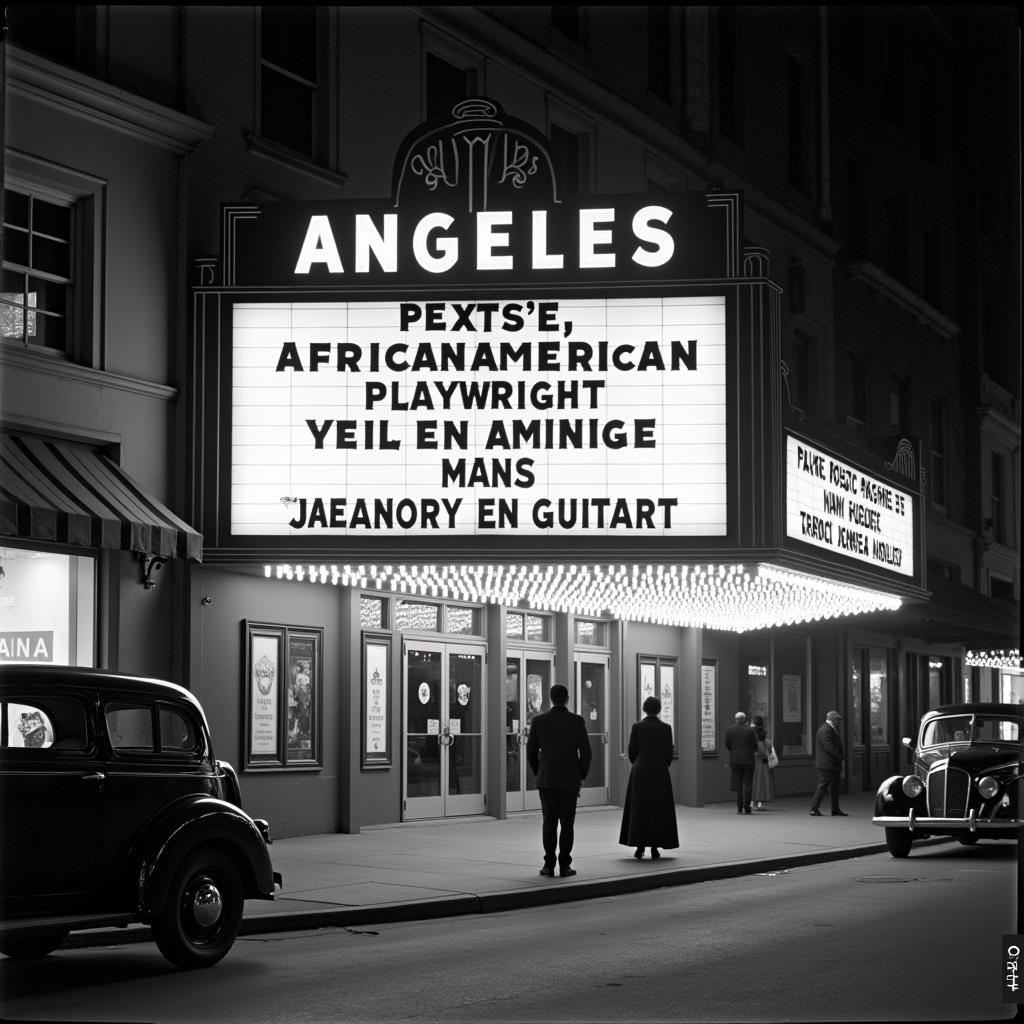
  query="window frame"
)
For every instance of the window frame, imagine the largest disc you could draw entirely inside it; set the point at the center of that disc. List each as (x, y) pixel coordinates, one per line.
(321, 143)
(87, 196)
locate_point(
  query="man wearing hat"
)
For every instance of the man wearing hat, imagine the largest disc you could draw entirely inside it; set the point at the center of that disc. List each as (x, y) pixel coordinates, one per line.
(828, 759)
(741, 742)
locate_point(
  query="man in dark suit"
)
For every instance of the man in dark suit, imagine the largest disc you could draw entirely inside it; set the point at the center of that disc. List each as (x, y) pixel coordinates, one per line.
(741, 742)
(558, 751)
(828, 759)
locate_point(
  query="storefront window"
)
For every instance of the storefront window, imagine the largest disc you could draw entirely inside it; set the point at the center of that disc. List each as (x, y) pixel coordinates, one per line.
(934, 682)
(49, 607)
(856, 703)
(793, 671)
(371, 612)
(1011, 688)
(514, 626)
(879, 696)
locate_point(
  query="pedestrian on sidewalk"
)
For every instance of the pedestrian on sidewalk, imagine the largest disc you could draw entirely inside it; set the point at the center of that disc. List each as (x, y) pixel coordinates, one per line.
(763, 789)
(741, 743)
(558, 751)
(649, 811)
(828, 759)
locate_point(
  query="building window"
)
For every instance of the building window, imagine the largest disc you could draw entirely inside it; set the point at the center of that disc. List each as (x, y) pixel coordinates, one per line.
(290, 78)
(570, 152)
(856, 390)
(937, 461)
(446, 86)
(896, 234)
(930, 116)
(892, 81)
(729, 80)
(856, 207)
(796, 115)
(803, 372)
(899, 402)
(853, 45)
(659, 52)
(36, 294)
(996, 499)
(931, 259)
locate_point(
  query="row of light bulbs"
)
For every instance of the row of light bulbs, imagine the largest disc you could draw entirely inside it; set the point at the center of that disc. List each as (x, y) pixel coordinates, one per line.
(1008, 659)
(725, 597)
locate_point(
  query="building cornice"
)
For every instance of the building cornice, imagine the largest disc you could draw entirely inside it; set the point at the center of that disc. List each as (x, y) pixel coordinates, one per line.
(15, 357)
(32, 77)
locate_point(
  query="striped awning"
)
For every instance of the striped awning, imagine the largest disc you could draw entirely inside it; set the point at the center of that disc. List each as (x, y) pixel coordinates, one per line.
(69, 494)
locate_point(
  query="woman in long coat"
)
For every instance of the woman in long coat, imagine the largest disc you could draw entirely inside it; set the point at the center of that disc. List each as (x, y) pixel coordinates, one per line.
(649, 812)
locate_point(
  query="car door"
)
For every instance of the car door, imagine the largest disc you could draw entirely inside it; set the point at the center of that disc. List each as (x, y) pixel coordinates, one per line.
(158, 753)
(51, 791)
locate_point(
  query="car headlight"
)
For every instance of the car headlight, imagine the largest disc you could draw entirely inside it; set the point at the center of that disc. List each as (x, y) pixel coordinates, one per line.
(988, 787)
(912, 786)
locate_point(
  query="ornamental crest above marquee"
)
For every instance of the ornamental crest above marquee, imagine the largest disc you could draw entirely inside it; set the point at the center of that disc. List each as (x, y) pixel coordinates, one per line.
(478, 158)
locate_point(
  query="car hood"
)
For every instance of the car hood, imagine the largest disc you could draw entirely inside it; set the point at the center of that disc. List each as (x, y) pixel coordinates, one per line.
(979, 758)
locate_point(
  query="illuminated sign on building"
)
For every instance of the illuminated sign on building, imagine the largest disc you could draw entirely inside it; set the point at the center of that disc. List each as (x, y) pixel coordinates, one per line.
(544, 417)
(834, 505)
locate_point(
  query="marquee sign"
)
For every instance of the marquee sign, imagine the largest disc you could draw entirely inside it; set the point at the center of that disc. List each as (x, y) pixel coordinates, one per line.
(834, 505)
(528, 416)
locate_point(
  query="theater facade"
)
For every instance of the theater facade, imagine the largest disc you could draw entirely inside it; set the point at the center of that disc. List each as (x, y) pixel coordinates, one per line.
(479, 436)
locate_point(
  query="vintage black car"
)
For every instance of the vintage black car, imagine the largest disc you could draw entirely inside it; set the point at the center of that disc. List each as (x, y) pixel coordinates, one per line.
(965, 781)
(113, 810)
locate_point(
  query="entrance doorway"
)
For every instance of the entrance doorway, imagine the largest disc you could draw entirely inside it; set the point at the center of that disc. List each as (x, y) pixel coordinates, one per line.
(444, 742)
(591, 701)
(870, 686)
(528, 678)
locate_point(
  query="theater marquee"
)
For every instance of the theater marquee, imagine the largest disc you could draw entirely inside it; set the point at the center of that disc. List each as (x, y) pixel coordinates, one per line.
(836, 506)
(528, 416)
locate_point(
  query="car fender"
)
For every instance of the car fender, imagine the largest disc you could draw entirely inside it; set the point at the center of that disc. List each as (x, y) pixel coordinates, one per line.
(190, 823)
(890, 797)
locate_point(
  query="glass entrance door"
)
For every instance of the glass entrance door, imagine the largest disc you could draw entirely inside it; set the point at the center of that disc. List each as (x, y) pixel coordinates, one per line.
(444, 741)
(591, 700)
(528, 679)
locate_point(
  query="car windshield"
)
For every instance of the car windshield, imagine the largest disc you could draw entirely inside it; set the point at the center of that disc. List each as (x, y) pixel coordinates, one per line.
(971, 729)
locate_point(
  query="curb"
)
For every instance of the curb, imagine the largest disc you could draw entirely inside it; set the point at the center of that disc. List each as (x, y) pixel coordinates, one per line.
(515, 899)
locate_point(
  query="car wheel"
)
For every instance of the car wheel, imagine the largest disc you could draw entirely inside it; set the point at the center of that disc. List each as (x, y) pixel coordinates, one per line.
(28, 947)
(967, 840)
(200, 919)
(899, 841)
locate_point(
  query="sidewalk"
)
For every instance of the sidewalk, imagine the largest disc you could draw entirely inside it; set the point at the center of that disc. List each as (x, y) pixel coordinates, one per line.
(431, 869)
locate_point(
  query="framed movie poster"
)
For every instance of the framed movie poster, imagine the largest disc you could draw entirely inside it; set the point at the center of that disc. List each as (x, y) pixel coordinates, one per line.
(709, 709)
(376, 732)
(656, 677)
(283, 696)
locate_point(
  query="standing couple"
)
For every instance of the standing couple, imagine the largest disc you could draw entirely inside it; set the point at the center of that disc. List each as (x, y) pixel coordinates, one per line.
(558, 751)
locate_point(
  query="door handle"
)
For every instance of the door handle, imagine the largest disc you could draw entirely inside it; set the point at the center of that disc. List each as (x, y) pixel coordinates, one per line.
(94, 777)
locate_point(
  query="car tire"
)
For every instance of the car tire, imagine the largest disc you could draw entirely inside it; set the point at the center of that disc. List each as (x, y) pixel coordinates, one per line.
(29, 947)
(199, 921)
(899, 841)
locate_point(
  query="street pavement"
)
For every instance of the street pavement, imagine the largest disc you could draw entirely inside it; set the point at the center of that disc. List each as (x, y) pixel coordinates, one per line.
(430, 869)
